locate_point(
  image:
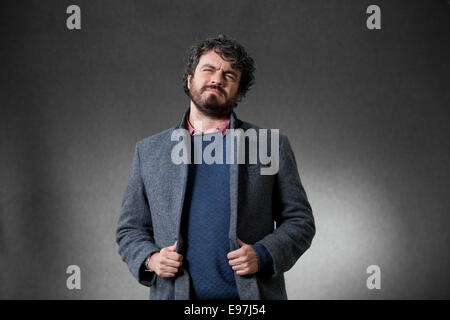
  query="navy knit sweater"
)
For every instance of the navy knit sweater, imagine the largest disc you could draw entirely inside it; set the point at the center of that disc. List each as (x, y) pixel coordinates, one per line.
(206, 224)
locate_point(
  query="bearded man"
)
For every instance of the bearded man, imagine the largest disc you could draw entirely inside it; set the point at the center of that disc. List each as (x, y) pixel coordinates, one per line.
(222, 230)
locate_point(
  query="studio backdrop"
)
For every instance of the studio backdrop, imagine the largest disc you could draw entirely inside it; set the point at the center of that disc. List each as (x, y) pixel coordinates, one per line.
(361, 89)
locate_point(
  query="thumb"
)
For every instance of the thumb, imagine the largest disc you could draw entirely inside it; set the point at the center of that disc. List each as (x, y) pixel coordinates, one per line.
(240, 242)
(173, 247)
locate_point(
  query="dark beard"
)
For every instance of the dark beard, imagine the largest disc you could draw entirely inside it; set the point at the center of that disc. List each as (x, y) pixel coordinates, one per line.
(211, 107)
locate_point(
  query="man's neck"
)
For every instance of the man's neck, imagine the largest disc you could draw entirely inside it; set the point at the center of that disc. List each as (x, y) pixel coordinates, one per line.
(201, 122)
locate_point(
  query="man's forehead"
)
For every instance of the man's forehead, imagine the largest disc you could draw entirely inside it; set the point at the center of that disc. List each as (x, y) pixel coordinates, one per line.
(214, 59)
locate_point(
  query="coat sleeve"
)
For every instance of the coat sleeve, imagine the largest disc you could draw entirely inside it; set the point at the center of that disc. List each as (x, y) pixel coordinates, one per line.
(134, 233)
(295, 227)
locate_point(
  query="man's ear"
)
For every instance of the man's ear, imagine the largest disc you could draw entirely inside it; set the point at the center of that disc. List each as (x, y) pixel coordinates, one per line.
(189, 77)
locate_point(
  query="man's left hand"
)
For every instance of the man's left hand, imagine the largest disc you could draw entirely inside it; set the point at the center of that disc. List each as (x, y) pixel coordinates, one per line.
(243, 260)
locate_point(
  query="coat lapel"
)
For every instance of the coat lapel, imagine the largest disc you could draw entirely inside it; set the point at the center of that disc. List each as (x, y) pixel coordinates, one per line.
(234, 183)
(182, 283)
(181, 171)
(247, 285)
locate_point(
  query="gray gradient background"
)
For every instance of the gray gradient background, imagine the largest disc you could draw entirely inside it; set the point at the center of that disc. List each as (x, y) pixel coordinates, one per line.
(365, 111)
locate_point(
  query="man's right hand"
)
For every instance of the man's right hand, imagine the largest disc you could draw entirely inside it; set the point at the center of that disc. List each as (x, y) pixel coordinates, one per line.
(166, 262)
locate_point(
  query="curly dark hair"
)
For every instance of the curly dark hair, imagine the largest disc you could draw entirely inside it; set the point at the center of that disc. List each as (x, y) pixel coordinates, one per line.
(230, 50)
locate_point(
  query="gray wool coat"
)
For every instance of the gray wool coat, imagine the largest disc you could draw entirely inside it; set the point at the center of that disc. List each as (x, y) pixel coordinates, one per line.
(272, 210)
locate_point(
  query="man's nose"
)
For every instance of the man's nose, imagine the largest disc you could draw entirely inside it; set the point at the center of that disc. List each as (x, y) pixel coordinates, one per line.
(217, 78)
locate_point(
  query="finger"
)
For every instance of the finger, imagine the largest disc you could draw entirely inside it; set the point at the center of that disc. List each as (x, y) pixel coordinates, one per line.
(235, 262)
(238, 267)
(174, 256)
(240, 242)
(235, 254)
(171, 263)
(173, 247)
(167, 275)
(169, 269)
(242, 272)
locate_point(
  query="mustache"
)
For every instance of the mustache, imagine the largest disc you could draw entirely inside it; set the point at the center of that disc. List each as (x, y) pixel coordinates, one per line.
(215, 87)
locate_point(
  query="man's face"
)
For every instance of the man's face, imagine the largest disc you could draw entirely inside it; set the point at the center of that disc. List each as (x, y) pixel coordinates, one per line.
(214, 86)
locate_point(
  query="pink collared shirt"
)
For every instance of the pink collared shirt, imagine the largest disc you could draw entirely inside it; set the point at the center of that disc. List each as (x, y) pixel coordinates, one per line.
(223, 126)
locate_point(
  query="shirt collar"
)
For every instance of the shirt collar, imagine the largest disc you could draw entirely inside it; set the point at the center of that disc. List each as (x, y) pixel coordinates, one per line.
(223, 126)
